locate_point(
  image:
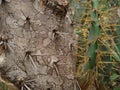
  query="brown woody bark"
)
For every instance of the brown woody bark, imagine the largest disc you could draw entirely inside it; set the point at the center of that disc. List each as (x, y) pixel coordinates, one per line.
(39, 53)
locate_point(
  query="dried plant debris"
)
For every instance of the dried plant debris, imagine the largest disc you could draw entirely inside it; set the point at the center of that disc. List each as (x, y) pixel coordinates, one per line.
(59, 7)
(3, 49)
(1, 1)
(6, 85)
(2, 60)
(3, 44)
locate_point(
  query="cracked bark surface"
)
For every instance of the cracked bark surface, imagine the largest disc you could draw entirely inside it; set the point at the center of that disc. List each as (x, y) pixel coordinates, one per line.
(40, 55)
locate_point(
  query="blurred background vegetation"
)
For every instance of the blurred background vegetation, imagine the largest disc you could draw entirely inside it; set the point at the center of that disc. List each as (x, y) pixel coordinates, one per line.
(97, 24)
